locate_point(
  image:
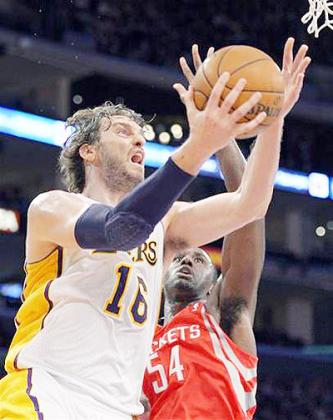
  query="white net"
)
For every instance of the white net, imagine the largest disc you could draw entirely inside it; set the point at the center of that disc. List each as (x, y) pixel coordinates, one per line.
(319, 16)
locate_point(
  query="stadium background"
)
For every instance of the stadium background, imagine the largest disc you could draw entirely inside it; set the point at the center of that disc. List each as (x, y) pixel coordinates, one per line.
(57, 56)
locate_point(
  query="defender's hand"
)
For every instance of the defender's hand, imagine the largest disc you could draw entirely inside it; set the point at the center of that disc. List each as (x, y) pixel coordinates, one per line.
(188, 73)
(293, 71)
(216, 125)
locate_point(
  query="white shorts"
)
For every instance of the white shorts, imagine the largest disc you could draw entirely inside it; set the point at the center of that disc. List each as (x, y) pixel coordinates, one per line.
(35, 394)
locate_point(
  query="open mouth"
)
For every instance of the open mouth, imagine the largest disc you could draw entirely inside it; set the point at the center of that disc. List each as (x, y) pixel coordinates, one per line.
(137, 158)
(185, 272)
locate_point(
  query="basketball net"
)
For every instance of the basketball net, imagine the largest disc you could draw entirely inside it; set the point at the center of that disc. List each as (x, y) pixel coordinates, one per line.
(317, 8)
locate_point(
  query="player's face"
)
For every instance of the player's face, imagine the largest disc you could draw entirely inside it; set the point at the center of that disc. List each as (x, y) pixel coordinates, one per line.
(189, 277)
(121, 152)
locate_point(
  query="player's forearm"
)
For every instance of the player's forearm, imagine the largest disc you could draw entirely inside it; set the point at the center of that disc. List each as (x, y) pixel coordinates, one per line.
(257, 184)
(232, 164)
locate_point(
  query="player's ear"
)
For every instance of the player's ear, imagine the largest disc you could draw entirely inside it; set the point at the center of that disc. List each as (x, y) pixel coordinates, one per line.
(88, 152)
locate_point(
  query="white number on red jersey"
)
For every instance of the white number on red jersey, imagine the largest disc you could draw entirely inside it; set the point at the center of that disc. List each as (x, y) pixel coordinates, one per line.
(175, 368)
(175, 365)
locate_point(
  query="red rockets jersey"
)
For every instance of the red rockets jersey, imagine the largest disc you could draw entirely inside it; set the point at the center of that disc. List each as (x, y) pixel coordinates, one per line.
(196, 372)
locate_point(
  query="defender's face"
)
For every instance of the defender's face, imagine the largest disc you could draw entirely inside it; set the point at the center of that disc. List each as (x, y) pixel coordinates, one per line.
(190, 276)
(121, 144)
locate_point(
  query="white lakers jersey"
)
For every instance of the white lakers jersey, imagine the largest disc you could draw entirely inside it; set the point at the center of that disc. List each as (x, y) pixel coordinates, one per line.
(88, 319)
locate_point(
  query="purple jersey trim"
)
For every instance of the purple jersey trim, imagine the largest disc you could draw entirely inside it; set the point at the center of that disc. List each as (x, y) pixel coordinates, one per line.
(15, 361)
(49, 301)
(60, 261)
(47, 288)
(32, 397)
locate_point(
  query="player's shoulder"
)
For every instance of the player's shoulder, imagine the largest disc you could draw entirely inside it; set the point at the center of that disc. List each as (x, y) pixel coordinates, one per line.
(53, 200)
(47, 201)
(51, 196)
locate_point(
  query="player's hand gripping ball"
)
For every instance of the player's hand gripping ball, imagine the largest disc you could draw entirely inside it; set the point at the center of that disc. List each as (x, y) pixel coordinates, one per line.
(259, 70)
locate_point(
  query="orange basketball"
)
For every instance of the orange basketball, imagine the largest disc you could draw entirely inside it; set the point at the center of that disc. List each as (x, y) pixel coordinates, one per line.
(260, 71)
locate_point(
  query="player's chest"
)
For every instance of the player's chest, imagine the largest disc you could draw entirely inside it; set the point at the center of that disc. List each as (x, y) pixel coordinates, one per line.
(176, 354)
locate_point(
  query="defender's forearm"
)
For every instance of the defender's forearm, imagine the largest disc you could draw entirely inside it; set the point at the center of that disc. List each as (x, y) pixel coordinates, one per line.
(256, 188)
(232, 164)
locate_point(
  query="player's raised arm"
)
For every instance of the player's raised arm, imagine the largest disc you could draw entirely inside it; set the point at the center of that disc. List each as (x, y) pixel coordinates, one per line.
(217, 216)
(60, 218)
(65, 219)
(244, 249)
(233, 299)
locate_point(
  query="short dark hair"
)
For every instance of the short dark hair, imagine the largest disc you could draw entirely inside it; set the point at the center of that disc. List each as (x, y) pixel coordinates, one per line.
(85, 124)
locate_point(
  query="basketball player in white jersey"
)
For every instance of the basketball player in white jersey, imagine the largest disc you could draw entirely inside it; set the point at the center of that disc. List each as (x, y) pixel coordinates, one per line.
(94, 254)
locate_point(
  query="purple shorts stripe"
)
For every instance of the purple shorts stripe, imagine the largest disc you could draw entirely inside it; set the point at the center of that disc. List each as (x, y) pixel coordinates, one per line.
(32, 397)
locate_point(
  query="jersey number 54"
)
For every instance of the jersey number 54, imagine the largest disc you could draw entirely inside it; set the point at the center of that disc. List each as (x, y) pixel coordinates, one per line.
(175, 368)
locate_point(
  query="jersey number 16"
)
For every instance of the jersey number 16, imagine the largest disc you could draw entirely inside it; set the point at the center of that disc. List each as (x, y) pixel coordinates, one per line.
(137, 310)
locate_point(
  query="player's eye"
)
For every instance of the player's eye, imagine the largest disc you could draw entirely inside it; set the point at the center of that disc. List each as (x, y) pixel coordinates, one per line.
(199, 260)
(122, 132)
(178, 258)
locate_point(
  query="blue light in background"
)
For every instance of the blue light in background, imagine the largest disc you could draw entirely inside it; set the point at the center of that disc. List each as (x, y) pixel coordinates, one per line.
(11, 290)
(292, 181)
(32, 127)
(319, 185)
(53, 132)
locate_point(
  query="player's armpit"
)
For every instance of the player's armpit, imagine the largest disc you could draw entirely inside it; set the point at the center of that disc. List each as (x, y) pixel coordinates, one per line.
(231, 310)
(173, 244)
(233, 316)
(241, 331)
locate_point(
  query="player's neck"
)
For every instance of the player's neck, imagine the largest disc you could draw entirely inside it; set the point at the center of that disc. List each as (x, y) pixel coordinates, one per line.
(172, 308)
(99, 192)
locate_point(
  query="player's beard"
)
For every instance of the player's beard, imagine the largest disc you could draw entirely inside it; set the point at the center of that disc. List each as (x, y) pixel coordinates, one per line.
(117, 177)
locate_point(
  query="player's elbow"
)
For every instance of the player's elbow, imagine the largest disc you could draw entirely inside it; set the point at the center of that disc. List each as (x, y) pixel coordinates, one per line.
(261, 211)
(104, 227)
(251, 208)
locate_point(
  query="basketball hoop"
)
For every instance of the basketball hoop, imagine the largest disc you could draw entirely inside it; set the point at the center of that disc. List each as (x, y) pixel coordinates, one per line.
(317, 8)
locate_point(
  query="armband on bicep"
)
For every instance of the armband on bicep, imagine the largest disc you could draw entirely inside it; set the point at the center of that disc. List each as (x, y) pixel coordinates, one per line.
(101, 227)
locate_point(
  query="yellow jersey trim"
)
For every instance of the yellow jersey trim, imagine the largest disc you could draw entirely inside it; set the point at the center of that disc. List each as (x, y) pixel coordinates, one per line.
(36, 303)
(17, 402)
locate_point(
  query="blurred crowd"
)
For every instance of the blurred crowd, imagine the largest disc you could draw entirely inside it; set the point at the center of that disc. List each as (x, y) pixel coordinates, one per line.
(308, 147)
(12, 197)
(159, 31)
(294, 398)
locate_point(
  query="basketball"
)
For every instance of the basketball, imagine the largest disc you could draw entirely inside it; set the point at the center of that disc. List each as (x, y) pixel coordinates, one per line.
(256, 67)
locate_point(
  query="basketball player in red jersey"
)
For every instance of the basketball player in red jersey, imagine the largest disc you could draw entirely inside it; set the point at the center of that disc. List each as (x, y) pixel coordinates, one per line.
(203, 363)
